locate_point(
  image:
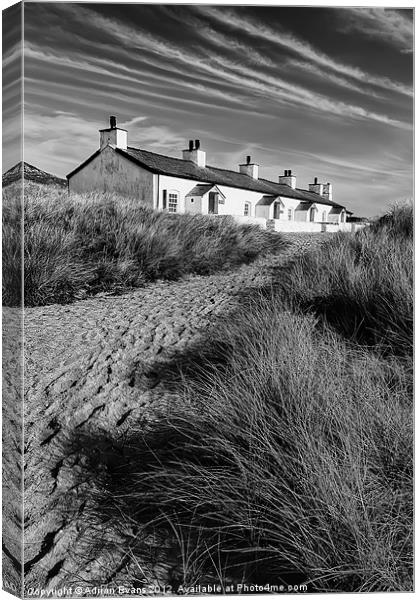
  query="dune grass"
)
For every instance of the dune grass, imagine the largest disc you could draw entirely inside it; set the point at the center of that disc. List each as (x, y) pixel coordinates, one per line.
(362, 285)
(289, 459)
(80, 245)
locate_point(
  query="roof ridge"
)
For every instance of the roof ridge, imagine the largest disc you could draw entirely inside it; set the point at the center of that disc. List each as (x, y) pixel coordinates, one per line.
(157, 154)
(192, 162)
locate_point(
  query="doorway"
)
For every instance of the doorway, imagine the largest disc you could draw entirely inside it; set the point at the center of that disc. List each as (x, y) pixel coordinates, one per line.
(277, 210)
(312, 213)
(213, 203)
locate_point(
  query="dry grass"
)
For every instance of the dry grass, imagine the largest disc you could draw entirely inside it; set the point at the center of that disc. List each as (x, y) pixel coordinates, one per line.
(290, 458)
(80, 245)
(361, 285)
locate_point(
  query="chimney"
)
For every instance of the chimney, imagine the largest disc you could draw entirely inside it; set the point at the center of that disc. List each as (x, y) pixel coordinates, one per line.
(288, 179)
(316, 187)
(194, 154)
(249, 168)
(327, 192)
(113, 136)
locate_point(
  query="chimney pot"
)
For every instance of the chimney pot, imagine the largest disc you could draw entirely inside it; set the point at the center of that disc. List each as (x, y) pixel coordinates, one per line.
(315, 180)
(249, 168)
(112, 135)
(288, 179)
(194, 154)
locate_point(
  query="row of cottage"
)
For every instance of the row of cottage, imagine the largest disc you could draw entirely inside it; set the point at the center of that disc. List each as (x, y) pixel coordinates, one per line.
(189, 185)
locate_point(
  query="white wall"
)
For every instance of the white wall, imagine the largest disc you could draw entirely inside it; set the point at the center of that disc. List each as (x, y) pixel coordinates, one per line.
(194, 205)
(302, 216)
(301, 226)
(298, 226)
(289, 203)
(262, 211)
(182, 186)
(112, 172)
(235, 201)
(118, 137)
(251, 221)
(234, 198)
(337, 218)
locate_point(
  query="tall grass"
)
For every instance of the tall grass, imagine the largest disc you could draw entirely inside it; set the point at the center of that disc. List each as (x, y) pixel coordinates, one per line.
(290, 458)
(362, 285)
(80, 245)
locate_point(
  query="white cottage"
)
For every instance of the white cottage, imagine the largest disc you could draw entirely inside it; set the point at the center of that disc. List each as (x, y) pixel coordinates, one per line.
(189, 185)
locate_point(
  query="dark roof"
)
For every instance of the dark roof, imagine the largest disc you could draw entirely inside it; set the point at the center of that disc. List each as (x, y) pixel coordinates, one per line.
(266, 200)
(200, 189)
(113, 129)
(357, 219)
(186, 169)
(336, 210)
(30, 173)
(304, 206)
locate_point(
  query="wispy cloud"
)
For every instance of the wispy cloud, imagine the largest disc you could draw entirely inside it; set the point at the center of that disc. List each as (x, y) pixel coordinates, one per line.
(117, 71)
(44, 135)
(324, 76)
(301, 48)
(386, 24)
(11, 55)
(233, 73)
(282, 89)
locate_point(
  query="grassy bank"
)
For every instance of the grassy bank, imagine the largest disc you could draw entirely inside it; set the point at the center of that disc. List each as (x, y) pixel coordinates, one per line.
(290, 458)
(361, 285)
(77, 246)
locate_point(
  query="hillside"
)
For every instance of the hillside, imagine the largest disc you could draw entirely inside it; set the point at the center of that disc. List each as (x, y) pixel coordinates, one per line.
(31, 173)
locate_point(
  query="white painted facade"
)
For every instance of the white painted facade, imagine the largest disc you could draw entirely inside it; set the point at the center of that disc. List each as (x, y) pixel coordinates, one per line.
(111, 172)
(112, 168)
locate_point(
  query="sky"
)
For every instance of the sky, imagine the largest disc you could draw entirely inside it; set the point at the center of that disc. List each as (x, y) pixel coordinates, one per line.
(326, 92)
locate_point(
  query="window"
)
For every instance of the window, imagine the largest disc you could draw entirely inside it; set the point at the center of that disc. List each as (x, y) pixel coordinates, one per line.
(324, 216)
(172, 202)
(164, 199)
(247, 209)
(192, 199)
(343, 216)
(289, 214)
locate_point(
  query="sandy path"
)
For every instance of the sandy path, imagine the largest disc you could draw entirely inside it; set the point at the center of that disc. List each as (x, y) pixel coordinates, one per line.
(96, 367)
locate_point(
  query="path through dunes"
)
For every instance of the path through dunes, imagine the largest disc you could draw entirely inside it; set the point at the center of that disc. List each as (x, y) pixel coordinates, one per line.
(95, 368)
